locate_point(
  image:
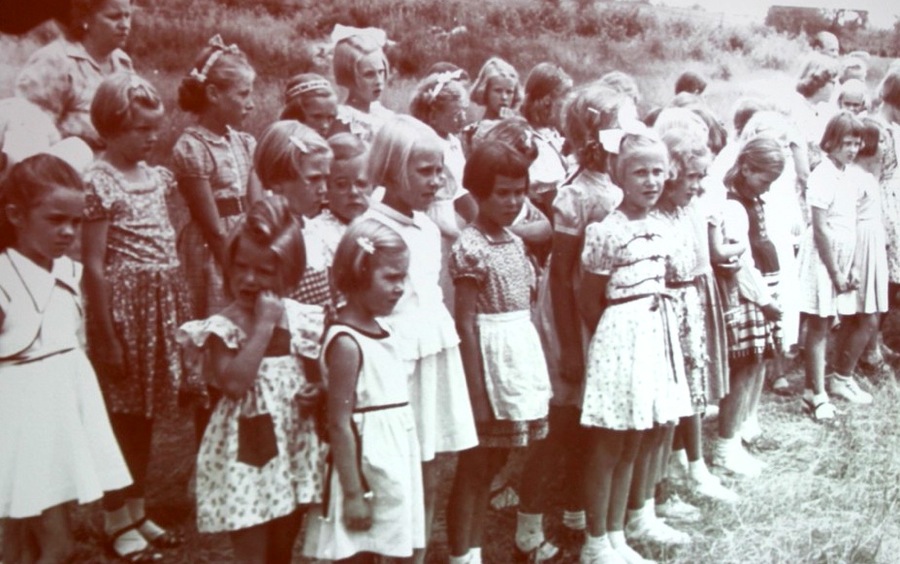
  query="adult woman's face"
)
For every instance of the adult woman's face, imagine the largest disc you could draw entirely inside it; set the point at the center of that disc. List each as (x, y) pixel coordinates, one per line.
(108, 27)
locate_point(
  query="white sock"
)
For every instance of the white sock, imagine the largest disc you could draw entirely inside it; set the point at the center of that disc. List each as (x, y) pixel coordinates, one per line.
(529, 530)
(475, 555)
(649, 509)
(464, 559)
(128, 542)
(616, 538)
(725, 447)
(679, 457)
(576, 520)
(594, 545)
(698, 470)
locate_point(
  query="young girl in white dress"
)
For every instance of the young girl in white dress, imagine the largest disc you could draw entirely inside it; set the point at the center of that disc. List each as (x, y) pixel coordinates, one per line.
(505, 367)
(57, 444)
(261, 463)
(829, 269)
(373, 504)
(407, 159)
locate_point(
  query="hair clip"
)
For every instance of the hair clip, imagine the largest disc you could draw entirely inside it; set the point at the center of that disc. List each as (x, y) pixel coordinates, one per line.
(366, 244)
(305, 87)
(300, 144)
(219, 49)
(443, 79)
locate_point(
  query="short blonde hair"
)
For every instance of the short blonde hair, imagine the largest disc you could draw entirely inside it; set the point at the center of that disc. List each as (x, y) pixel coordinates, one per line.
(282, 148)
(117, 99)
(495, 67)
(630, 145)
(684, 145)
(392, 146)
(347, 54)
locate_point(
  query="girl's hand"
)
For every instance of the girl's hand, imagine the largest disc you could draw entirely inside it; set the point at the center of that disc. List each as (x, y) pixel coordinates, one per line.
(853, 280)
(358, 512)
(771, 311)
(269, 307)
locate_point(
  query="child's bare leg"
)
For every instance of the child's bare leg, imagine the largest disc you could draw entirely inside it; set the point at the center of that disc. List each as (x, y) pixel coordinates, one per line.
(15, 537)
(622, 478)
(282, 534)
(53, 534)
(495, 460)
(470, 470)
(690, 429)
(250, 544)
(603, 453)
(643, 479)
(854, 338)
(817, 329)
(429, 489)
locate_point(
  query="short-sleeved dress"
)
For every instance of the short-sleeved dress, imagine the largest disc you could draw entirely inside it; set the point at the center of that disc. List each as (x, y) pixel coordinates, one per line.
(635, 368)
(389, 459)
(701, 328)
(870, 258)
(837, 193)
(281, 464)
(56, 443)
(427, 340)
(225, 161)
(587, 197)
(61, 78)
(515, 371)
(146, 286)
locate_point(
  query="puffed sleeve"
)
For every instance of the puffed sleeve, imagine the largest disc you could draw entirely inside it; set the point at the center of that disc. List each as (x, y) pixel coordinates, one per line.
(103, 197)
(191, 158)
(166, 179)
(598, 255)
(568, 213)
(467, 261)
(821, 187)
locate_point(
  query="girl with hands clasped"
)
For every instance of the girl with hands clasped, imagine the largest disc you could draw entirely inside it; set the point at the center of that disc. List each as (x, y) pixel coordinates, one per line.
(375, 503)
(260, 464)
(828, 268)
(57, 444)
(135, 289)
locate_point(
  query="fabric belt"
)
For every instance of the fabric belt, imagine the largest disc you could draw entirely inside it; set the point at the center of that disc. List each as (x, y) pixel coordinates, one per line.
(230, 206)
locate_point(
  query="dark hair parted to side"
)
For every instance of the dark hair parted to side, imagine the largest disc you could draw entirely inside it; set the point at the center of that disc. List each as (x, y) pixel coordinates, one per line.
(269, 223)
(26, 185)
(489, 160)
(843, 124)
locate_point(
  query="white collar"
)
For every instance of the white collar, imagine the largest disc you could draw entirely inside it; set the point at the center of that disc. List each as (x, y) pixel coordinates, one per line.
(40, 282)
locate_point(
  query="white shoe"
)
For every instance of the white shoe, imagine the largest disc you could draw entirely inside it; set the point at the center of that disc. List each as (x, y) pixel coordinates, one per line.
(750, 430)
(848, 389)
(631, 556)
(606, 554)
(655, 530)
(676, 509)
(708, 486)
(738, 461)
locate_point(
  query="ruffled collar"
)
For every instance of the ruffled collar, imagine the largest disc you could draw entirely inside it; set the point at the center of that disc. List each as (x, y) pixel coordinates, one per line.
(39, 282)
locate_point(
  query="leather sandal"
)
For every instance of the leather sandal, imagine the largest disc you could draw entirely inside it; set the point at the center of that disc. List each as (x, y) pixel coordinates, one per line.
(168, 539)
(544, 553)
(822, 412)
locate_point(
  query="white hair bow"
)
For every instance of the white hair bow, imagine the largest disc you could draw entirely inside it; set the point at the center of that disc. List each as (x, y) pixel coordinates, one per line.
(218, 44)
(629, 124)
(341, 32)
(443, 79)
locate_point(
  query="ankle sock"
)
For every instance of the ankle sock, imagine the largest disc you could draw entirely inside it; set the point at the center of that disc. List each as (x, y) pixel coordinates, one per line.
(576, 520)
(529, 530)
(616, 538)
(464, 559)
(698, 470)
(475, 555)
(594, 545)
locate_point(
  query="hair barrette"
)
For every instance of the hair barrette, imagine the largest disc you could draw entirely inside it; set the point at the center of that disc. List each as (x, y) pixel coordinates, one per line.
(366, 245)
(300, 144)
(443, 79)
(305, 87)
(219, 49)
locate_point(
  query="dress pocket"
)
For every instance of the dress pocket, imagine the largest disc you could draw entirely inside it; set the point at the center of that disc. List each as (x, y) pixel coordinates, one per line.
(256, 440)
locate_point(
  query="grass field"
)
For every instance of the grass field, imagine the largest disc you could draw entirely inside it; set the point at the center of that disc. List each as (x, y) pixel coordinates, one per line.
(829, 495)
